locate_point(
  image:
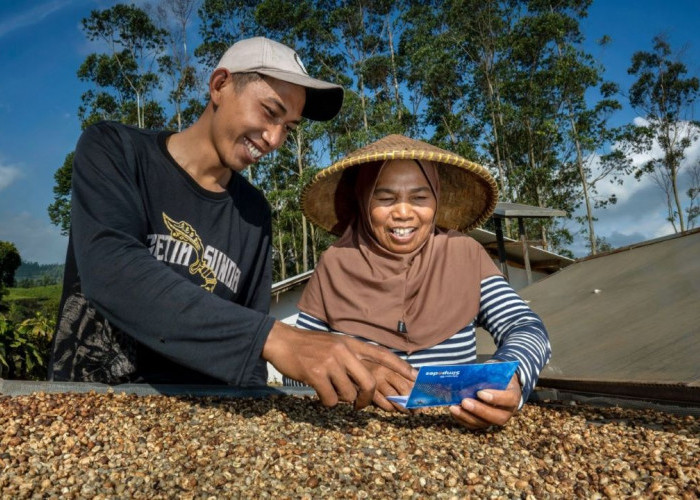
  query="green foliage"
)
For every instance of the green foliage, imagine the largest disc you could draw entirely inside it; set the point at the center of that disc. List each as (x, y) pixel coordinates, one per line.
(59, 210)
(25, 347)
(26, 331)
(9, 262)
(126, 76)
(24, 303)
(506, 83)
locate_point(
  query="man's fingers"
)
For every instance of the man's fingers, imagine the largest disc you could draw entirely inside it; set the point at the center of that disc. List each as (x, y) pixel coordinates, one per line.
(381, 401)
(399, 384)
(351, 377)
(382, 356)
(325, 391)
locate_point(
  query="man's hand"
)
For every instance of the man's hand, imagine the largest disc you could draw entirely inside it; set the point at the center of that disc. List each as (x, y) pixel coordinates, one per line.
(389, 383)
(331, 364)
(492, 408)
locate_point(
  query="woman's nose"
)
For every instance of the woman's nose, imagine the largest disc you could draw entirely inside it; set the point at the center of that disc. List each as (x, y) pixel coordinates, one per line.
(402, 210)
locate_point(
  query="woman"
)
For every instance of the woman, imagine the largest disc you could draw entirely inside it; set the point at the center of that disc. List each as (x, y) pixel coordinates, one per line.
(402, 277)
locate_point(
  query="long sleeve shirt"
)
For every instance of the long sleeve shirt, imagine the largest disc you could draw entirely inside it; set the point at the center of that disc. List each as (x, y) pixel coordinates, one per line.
(517, 331)
(182, 271)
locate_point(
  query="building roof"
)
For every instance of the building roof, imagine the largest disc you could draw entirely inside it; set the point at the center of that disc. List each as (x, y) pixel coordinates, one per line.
(505, 209)
(540, 260)
(627, 318)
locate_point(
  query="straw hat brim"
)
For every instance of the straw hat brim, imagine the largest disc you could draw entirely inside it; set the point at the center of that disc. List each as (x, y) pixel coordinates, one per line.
(468, 192)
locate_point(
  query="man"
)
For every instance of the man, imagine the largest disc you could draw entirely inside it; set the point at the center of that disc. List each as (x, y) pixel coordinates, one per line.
(168, 271)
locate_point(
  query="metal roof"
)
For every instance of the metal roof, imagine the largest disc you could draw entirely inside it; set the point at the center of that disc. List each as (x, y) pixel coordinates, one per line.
(539, 259)
(504, 209)
(626, 321)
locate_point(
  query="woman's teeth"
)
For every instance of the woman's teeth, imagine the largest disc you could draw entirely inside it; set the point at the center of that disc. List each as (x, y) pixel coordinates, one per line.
(402, 231)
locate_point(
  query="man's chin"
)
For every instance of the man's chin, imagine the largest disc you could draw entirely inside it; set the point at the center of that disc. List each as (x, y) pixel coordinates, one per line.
(238, 166)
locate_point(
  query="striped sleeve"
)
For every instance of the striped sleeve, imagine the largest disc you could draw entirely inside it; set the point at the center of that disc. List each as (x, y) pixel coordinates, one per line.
(308, 322)
(518, 332)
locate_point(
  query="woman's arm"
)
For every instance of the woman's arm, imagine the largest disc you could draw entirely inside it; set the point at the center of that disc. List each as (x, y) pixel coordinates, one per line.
(520, 336)
(518, 332)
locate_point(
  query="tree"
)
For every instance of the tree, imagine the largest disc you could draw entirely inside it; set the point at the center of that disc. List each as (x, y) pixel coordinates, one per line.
(173, 18)
(694, 195)
(59, 210)
(665, 97)
(534, 94)
(127, 75)
(588, 130)
(9, 262)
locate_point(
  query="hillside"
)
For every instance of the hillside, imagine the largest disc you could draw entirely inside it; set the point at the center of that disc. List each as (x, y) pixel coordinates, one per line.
(34, 274)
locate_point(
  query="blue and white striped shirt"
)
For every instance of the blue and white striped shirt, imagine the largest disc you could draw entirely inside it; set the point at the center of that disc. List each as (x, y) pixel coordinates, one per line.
(518, 333)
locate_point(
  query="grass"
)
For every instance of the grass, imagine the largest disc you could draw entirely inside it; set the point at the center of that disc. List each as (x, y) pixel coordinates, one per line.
(34, 293)
(23, 303)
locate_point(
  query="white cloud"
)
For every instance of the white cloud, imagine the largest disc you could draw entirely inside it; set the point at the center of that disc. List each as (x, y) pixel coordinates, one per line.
(36, 240)
(31, 16)
(640, 212)
(8, 175)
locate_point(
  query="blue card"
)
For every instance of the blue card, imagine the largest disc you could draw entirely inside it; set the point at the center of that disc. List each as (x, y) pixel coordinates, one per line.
(444, 385)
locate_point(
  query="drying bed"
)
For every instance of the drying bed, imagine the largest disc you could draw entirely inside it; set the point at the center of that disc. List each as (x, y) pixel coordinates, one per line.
(116, 445)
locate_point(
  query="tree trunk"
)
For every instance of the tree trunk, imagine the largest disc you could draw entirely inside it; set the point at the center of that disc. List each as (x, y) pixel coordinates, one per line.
(304, 235)
(394, 76)
(282, 260)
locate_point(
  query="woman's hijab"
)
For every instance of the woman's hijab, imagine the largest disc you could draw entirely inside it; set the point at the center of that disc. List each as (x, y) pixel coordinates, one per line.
(405, 301)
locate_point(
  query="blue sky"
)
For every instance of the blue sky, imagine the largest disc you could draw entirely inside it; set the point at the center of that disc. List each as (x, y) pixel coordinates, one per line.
(42, 46)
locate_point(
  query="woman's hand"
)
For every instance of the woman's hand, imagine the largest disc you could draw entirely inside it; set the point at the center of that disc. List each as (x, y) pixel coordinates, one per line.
(492, 408)
(389, 383)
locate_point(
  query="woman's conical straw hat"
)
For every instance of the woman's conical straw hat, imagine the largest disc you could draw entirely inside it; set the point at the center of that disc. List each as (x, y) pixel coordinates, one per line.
(468, 192)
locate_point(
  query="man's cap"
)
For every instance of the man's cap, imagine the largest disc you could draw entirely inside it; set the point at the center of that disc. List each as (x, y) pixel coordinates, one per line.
(468, 192)
(267, 57)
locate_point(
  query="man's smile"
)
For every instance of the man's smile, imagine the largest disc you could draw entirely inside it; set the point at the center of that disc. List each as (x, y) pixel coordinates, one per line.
(255, 153)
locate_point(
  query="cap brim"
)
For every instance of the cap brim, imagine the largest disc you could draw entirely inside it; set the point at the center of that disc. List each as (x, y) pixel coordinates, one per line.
(323, 99)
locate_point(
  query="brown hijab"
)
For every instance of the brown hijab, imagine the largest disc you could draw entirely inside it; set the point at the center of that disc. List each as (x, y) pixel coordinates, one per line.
(404, 301)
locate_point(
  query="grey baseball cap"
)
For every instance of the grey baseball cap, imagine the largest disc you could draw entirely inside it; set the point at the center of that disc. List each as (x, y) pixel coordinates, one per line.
(267, 57)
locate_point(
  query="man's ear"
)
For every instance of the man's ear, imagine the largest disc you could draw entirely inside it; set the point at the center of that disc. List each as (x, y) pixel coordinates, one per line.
(217, 81)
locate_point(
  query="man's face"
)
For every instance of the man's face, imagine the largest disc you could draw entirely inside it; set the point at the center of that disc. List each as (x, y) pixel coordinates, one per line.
(402, 207)
(255, 120)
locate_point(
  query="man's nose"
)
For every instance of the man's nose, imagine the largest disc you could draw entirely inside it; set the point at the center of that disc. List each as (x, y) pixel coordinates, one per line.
(275, 135)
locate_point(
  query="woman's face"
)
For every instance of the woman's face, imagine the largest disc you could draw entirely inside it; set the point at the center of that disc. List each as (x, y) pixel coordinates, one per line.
(402, 207)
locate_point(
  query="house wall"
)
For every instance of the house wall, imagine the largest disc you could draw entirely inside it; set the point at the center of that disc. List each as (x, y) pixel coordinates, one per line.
(518, 277)
(284, 309)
